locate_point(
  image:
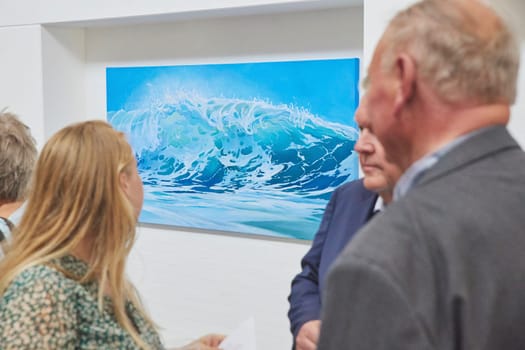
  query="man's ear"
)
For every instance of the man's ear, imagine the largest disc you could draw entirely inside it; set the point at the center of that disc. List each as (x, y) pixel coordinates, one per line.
(406, 74)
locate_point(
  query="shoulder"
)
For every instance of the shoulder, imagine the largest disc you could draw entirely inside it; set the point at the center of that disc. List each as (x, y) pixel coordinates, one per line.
(354, 197)
(40, 281)
(392, 240)
(354, 188)
(40, 296)
(40, 309)
(356, 185)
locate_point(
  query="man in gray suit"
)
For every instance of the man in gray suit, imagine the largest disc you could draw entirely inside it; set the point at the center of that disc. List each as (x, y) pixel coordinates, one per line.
(444, 266)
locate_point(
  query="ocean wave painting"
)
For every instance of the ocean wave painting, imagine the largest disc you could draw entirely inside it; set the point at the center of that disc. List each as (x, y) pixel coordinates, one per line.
(254, 148)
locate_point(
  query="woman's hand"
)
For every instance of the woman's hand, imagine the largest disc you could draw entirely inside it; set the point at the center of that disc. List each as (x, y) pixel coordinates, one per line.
(208, 342)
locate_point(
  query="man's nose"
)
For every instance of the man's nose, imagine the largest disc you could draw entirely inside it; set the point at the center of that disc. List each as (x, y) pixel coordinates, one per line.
(363, 145)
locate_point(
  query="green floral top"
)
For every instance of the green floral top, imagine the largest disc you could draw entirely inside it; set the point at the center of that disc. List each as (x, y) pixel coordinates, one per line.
(44, 309)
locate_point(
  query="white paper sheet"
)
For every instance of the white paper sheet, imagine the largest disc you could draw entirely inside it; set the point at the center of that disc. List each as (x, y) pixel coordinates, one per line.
(242, 338)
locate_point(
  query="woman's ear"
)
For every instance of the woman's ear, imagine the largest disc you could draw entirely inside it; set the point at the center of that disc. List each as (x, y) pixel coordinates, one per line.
(124, 181)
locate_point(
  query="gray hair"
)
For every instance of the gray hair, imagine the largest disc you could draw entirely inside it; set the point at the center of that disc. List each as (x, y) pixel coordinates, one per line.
(462, 55)
(17, 158)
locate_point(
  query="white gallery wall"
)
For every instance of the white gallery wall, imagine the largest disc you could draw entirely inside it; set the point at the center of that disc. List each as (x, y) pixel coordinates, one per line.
(193, 282)
(21, 75)
(514, 10)
(53, 56)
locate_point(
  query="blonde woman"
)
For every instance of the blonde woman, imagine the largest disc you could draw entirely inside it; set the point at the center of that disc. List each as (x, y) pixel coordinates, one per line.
(62, 283)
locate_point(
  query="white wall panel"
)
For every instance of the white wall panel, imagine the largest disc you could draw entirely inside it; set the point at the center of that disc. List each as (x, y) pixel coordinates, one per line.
(21, 76)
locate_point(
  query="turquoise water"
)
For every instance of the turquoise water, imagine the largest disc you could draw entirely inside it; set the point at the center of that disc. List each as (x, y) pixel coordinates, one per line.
(223, 163)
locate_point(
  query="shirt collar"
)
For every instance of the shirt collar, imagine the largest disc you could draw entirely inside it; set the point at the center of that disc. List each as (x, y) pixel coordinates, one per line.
(415, 172)
(5, 230)
(16, 216)
(379, 204)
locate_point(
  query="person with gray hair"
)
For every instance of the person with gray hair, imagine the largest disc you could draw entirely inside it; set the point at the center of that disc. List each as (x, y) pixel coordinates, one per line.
(17, 158)
(443, 266)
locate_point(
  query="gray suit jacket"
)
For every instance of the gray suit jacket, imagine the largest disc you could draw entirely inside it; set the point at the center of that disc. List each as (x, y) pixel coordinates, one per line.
(442, 268)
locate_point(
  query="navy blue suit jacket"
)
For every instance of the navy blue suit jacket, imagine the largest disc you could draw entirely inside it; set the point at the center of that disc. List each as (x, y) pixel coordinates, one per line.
(349, 208)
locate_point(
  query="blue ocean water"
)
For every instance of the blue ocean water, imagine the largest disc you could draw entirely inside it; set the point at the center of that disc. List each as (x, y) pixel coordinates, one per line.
(231, 164)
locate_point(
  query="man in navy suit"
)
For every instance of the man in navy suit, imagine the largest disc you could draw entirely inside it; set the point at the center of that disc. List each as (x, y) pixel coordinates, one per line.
(349, 208)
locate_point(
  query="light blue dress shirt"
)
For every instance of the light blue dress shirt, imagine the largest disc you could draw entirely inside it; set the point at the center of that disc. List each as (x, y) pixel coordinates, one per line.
(415, 172)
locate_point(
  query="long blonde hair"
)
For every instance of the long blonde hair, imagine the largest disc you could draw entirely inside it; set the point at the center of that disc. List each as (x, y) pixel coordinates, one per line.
(76, 196)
